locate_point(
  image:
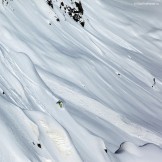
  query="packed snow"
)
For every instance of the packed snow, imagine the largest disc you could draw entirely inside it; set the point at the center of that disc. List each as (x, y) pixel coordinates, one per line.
(80, 81)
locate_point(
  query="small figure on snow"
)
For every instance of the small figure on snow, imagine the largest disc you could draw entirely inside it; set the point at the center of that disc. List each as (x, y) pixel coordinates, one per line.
(60, 103)
(154, 82)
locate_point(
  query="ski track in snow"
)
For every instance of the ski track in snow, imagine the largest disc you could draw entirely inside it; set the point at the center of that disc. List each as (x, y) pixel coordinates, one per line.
(41, 59)
(105, 113)
(94, 107)
(60, 140)
(86, 103)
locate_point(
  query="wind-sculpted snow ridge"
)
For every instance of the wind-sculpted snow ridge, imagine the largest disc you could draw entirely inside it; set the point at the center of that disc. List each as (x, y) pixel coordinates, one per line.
(80, 81)
(40, 98)
(128, 152)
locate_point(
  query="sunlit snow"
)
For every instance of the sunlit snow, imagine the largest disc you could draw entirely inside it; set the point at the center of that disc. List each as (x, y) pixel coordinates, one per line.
(80, 85)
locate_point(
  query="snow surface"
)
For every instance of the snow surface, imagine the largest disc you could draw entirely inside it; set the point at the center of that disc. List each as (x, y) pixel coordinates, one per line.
(103, 72)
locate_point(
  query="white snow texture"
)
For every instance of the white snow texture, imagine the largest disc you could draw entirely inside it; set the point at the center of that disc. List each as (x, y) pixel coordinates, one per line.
(107, 73)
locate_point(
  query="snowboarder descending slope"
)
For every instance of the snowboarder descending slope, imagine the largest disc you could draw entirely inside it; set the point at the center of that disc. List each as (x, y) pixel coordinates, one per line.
(60, 103)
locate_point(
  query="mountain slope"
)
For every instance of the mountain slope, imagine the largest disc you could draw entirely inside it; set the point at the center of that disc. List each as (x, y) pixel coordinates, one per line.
(107, 72)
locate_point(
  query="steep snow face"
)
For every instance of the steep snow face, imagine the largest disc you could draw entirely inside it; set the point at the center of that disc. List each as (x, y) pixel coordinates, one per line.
(102, 59)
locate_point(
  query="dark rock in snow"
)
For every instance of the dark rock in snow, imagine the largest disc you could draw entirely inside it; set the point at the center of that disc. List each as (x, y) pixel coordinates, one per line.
(49, 2)
(57, 19)
(79, 6)
(62, 3)
(75, 11)
(82, 23)
(39, 145)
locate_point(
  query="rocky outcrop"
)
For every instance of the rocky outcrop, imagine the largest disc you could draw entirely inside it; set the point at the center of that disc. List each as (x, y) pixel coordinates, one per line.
(75, 10)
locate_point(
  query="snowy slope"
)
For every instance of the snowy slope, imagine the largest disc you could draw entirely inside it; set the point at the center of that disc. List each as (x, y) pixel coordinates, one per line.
(108, 75)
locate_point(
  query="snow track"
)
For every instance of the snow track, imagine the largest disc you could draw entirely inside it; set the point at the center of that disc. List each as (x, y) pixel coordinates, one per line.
(60, 139)
(107, 75)
(105, 113)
